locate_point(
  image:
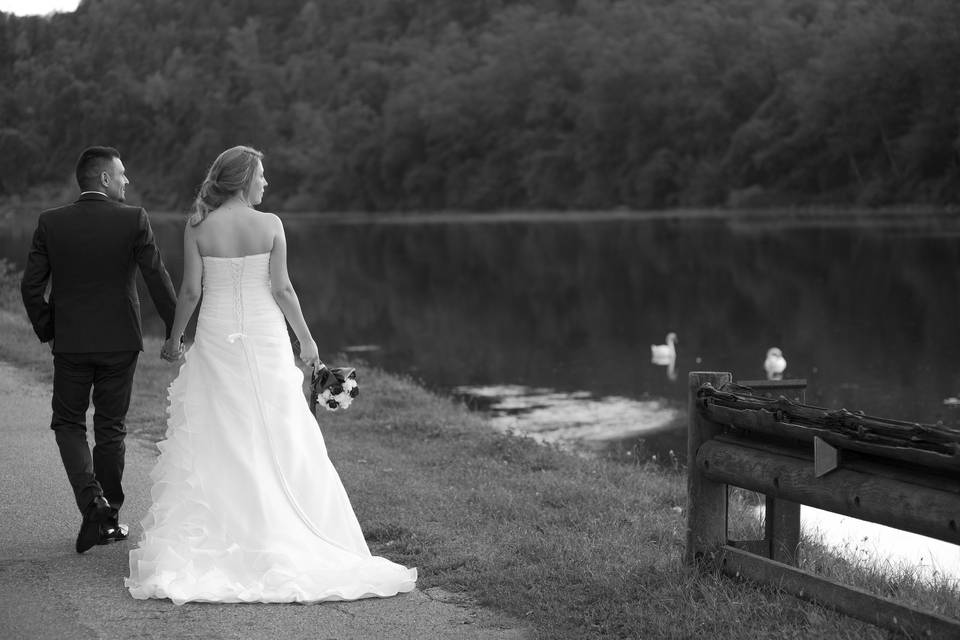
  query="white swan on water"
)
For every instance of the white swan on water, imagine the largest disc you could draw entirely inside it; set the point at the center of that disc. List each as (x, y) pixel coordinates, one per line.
(665, 353)
(775, 364)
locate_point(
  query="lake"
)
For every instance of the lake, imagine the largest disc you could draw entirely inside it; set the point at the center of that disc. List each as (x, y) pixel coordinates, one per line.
(545, 321)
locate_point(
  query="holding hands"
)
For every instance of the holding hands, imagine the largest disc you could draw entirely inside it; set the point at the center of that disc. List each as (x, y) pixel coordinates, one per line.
(172, 349)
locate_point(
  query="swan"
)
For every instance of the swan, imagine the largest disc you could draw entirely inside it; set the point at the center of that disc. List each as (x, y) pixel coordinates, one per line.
(774, 364)
(664, 353)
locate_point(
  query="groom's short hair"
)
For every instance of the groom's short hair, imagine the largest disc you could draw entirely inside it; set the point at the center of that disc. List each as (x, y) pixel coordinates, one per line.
(92, 162)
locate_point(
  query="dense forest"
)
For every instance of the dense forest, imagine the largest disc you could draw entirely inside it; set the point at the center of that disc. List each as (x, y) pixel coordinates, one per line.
(398, 105)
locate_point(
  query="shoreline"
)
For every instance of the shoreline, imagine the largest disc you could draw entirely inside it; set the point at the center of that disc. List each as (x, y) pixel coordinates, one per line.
(9, 210)
(785, 214)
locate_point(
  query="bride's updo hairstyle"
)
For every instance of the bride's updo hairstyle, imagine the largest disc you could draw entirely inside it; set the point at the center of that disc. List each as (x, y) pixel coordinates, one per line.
(230, 174)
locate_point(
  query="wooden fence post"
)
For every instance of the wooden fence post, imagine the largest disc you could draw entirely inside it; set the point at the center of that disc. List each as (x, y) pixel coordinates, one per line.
(781, 526)
(781, 522)
(706, 499)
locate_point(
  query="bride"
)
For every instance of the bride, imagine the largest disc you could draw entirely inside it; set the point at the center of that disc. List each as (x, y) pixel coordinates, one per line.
(247, 506)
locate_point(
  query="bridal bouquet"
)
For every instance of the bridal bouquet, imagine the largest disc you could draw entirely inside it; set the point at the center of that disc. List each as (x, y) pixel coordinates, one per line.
(335, 388)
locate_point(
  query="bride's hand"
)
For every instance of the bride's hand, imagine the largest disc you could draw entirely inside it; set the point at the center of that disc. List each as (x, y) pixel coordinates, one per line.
(172, 350)
(309, 354)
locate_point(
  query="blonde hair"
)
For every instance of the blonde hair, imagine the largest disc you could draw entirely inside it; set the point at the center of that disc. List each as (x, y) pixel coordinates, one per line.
(231, 173)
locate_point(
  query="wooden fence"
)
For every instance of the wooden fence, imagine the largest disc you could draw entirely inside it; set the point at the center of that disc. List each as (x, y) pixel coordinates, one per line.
(764, 438)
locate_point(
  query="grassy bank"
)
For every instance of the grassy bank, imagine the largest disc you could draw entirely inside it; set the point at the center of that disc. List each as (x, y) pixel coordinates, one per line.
(576, 548)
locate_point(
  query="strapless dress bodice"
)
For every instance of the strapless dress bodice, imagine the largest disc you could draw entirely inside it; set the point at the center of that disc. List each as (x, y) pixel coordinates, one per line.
(237, 297)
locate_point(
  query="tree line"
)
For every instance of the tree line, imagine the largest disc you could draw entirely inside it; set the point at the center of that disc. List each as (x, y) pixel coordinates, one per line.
(398, 105)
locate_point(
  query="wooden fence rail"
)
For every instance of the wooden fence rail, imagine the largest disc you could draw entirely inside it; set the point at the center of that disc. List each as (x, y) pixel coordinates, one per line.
(755, 436)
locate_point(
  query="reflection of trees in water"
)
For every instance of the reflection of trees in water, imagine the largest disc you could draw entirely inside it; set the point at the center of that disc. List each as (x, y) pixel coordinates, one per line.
(867, 316)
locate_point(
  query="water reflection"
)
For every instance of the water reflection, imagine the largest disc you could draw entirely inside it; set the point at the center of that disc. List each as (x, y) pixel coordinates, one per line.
(574, 420)
(865, 304)
(866, 307)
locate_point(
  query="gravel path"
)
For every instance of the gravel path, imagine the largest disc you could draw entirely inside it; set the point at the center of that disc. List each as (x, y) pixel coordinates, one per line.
(48, 591)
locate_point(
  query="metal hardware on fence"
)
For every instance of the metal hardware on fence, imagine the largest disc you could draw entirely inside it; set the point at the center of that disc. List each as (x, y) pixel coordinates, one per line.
(760, 435)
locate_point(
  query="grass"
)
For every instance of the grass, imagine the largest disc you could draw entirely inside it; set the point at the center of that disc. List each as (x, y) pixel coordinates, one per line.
(899, 581)
(576, 548)
(852, 566)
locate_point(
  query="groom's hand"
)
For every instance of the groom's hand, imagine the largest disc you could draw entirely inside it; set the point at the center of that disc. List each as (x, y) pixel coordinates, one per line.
(172, 350)
(171, 357)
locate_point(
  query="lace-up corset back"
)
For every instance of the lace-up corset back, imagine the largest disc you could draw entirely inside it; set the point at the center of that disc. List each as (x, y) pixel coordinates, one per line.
(237, 298)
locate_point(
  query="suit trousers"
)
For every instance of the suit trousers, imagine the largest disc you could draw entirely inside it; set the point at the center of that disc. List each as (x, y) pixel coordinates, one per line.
(110, 377)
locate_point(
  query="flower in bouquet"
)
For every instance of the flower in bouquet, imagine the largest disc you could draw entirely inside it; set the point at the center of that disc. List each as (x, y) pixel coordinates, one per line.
(340, 395)
(334, 388)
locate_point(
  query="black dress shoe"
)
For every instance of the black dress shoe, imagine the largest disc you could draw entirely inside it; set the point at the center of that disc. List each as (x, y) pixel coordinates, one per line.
(95, 515)
(113, 532)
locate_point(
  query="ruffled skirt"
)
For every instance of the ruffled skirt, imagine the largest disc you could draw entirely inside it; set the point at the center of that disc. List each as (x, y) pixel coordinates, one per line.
(247, 506)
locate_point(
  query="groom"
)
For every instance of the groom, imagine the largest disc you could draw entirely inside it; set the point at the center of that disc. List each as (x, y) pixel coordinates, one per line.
(87, 254)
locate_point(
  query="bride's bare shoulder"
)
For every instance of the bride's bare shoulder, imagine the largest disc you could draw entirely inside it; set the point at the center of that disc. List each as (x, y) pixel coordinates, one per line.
(270, 219)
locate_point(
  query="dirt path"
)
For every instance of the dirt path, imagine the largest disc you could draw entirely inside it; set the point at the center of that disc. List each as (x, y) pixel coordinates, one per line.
(48, 591)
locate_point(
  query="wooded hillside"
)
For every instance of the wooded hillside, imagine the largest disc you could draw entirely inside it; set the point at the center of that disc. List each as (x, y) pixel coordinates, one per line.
(496, 104)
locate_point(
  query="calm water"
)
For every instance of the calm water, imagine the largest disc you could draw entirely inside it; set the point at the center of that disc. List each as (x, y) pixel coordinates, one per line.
(547, 323)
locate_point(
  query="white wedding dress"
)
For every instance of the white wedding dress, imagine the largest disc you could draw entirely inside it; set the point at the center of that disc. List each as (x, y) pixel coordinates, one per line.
(247, 506)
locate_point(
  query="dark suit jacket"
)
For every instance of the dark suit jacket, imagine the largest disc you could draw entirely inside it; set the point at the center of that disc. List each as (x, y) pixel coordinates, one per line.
(89, 251)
